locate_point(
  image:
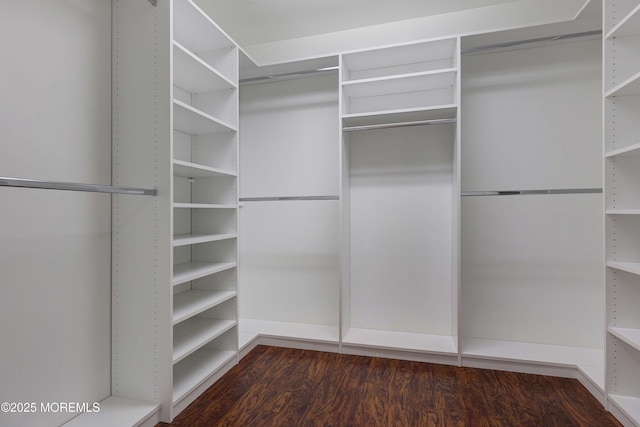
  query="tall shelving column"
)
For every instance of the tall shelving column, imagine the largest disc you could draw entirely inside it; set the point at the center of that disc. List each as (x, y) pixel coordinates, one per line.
(175, 124)
(622, 206)
(400, 200)
(205, 199)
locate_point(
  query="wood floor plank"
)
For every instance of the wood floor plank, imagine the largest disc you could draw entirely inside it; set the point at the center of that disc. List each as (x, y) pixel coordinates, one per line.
(288, 387)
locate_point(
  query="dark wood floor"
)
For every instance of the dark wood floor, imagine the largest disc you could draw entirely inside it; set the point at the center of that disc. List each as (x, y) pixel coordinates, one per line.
(285, 387)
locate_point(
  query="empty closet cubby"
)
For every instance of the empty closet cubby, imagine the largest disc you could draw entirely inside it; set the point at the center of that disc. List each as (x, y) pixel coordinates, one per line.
(400, 191)
(417, 81)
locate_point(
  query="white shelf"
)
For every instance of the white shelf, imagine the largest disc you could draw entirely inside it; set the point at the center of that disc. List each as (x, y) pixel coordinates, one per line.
(628, 335)
(391, 56)
(304, 331)
(589, 360)
(193, 75)
(193, 239)
(400, 340)
(195, 30)
(194, 301)
(195, 333)
(192, 121)
(203, 206)
(116, 411)
(622, 211)
(405, 83)
(630, 406)
(194, 270)
(194, 170)
(631, 86)
(632, 150)
(629, 267)
(195, 369)
(628, 26)
(448, 111)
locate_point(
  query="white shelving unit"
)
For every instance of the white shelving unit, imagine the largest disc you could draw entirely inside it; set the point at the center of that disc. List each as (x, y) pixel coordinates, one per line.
(205, 117)
(175, 125)
(399, 252)
(622, 206)
(409, 82)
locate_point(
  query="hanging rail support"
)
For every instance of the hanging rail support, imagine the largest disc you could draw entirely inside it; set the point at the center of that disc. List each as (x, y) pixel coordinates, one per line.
(154, 3)
(72, 186)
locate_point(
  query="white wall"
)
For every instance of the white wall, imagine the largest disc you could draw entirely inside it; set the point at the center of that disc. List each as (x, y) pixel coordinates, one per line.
(289, 249)
(532, 266)
(55, 118)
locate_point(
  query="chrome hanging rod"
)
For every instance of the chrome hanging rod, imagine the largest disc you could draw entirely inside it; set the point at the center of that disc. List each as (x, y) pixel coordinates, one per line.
(400, 124)
(287, 198)
(530, 41)
(532, 192)
(72, 186)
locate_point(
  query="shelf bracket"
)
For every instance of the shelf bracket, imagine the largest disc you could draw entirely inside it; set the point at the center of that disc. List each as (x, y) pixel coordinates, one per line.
(154, 3)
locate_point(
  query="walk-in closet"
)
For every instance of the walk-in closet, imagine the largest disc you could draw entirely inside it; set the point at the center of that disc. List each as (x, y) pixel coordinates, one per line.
(184, 180)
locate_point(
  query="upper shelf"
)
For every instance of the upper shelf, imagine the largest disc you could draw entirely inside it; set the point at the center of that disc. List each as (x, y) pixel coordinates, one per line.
(628, 26)
(404, 59)
(404, 83)
(192, 74)
(403, 115)
(193, 29)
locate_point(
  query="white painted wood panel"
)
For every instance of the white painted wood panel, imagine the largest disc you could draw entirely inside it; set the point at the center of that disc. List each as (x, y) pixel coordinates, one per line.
(55, 116)
(532, 269)
(527, 113)
(401, 229)
(289, 262)
(289, 131)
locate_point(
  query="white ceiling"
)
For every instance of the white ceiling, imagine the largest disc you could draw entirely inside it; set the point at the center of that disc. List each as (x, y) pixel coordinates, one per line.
(251, 22)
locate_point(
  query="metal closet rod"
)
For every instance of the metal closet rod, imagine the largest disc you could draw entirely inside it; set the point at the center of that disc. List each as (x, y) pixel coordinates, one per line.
(532, 192)
(399, 124)
(287, 198)
(73, 186)
(463, 51)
